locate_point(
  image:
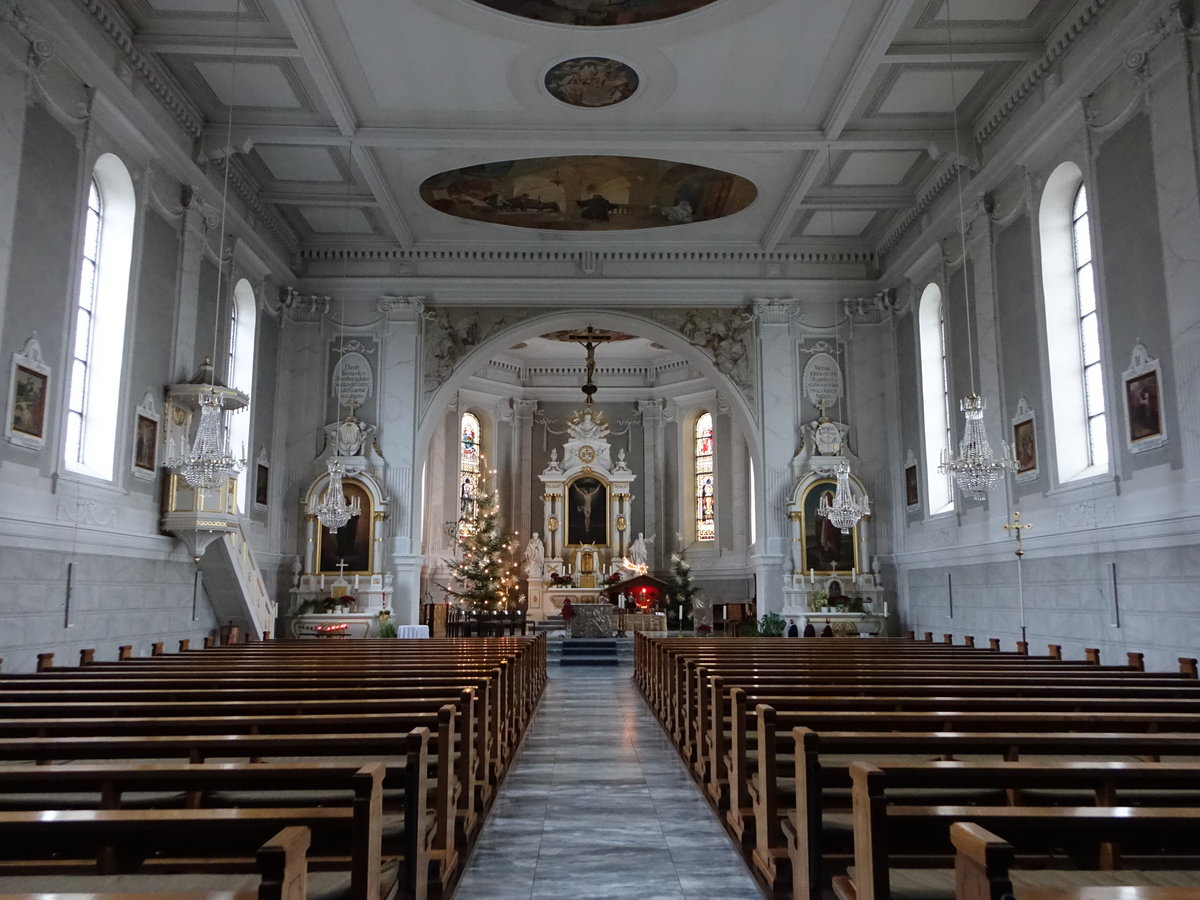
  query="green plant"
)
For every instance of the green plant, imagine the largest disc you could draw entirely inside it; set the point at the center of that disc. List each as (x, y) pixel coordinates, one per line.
(771, 625)
(387, 628)
(485, 573)
(681, 591)
(816, 600)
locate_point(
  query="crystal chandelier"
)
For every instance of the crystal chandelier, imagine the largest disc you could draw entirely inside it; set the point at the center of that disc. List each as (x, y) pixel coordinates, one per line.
(210, 463)
(334, 510)
(975, 470)
(846, 509)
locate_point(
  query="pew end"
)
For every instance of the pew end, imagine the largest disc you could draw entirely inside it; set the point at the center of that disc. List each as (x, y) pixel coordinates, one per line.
(981, 863)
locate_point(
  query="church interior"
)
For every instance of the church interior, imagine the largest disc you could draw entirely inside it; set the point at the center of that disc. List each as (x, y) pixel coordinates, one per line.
(311, 312)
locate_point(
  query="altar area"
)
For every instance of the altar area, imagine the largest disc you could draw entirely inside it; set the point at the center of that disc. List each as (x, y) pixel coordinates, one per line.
(588, 550)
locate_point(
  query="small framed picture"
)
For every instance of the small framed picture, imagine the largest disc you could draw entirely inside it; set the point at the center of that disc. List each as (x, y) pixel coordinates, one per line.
(145, 438)
(1024, 441)
(912, 482)
(1145, 422)
(261, 484)
(27, 397)
(145, 444)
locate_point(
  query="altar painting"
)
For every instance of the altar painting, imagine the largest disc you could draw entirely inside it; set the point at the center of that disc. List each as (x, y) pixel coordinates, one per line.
(588, 193)
(826, 549)
(352, 543)
(587, 512)
(595, 13)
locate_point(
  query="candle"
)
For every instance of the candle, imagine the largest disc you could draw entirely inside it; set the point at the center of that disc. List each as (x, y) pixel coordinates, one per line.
(322, 581)
(812, 576)
(356, 581)
(681, 616)
(854, 575)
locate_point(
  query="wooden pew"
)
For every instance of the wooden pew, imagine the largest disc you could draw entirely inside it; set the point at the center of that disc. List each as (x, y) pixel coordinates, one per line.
(1094, 835)
(982, 872)
(395, 794)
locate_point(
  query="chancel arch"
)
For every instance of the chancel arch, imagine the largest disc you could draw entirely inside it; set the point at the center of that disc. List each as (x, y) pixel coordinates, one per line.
(642, 480)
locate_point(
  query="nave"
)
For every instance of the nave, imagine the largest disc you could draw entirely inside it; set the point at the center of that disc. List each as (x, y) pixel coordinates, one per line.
(597, 805)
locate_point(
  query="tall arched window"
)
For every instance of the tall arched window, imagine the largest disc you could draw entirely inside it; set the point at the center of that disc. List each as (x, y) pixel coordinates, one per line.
(98, 333)
(705, 479)
(1074, 356)
(243, 323)
(469, 462)
(935, 397)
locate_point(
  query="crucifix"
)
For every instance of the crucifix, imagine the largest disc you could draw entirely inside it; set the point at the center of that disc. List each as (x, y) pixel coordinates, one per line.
(589, 339)
(341, 567)
(1016, 528)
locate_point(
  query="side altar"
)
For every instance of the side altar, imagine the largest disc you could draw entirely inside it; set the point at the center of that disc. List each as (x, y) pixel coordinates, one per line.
(831, 577)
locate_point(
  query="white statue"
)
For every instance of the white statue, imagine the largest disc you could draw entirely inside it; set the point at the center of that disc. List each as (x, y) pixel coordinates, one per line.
(535, 557)
(553, 465)
(349, 437)
(587, 425)
(638, 552)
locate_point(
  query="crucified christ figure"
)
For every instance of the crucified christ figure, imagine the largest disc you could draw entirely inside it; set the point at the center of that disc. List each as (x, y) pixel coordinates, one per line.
(586, 498)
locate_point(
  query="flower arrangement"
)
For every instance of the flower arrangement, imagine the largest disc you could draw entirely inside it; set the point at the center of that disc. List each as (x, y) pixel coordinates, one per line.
(560, 580)
(612, 578)
(567, 611)
(703, 630)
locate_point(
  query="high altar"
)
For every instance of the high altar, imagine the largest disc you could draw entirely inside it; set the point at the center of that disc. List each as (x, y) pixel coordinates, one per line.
(586, 514)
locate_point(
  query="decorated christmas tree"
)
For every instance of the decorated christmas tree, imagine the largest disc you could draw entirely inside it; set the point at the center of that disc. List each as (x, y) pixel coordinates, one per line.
(680, 590)
(486, 573)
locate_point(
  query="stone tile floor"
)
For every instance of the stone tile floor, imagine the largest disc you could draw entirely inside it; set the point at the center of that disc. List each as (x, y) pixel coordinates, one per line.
(598, 805)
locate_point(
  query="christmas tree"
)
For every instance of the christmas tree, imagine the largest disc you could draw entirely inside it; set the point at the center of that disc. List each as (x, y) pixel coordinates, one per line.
(681, 590)
(486, 572)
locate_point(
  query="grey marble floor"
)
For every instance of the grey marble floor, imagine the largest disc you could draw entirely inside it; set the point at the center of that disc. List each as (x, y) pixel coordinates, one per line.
(598, 805)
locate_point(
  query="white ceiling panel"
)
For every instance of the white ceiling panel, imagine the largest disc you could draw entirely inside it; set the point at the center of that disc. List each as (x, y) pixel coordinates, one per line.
(987, 10)
(843, 223)
(199, 7)
(918, 91)
(876, 167)
(249, 84)
(288, 163)
(328, 220)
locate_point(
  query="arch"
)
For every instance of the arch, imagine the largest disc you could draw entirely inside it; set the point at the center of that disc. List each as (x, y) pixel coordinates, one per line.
(1078, 452)
(243, 327)
(93, 406)
(935, 397)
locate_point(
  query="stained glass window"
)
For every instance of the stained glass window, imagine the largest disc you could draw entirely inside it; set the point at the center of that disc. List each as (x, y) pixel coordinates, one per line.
(705, 491)
(468, 472)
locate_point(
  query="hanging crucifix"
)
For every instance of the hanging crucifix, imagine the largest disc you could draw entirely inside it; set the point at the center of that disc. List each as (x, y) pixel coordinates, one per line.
(1016, 528)
(590, 339)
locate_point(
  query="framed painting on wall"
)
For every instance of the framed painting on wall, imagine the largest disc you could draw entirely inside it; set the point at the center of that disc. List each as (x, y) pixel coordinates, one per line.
(912, 482)
(1024, 441)
(29, 383)
(1145, 423)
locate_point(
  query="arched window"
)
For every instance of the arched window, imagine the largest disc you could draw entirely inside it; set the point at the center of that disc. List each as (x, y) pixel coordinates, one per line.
(469, 462)
(1074, 357)
(935, 396)
(705, 479)
(243, 323)
(98, 334)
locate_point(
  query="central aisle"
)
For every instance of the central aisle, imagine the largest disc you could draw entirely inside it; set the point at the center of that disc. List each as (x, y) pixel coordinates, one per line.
(598, 805)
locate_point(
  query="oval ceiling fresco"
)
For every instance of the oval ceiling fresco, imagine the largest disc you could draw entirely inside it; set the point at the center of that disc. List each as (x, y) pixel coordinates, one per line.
(595, 12)
(591, 81)
(588, 193)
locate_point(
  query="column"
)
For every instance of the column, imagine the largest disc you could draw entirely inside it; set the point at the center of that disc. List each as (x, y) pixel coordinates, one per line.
(653, 490)
(191, 255)
(12, 137)
(521, 483)
(399, 385)
(780, 382)
(1176, 147)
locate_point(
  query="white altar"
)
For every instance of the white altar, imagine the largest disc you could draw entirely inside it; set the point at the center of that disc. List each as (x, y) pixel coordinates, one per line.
(587, 498)
(830, 574)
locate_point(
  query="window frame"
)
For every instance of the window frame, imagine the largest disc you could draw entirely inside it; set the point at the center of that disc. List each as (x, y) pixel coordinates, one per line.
(936, 421)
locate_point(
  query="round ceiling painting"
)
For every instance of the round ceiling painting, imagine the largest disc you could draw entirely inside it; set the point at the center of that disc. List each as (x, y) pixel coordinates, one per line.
(595, 12)
(591, 81)
(588, 193)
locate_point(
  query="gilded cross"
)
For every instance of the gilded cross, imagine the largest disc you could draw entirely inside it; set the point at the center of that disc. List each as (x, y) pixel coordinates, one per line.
(1016, 528)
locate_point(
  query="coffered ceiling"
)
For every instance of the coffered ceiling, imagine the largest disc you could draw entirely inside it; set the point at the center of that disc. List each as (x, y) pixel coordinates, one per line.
(839, 113)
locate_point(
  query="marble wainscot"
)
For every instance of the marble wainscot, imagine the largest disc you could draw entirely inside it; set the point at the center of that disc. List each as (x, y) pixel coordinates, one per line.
(592, 620)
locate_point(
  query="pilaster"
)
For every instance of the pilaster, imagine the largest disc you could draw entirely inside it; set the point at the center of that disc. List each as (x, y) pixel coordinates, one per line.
(653, 492)
(521, 487)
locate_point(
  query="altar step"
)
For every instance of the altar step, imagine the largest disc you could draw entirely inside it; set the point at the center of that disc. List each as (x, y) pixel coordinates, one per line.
(585, 652)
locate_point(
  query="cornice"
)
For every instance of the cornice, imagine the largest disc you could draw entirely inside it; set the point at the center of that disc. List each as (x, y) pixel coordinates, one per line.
(249, 192)
(117, 29)
(583, 256)
(1070, 33)
(933, 190)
